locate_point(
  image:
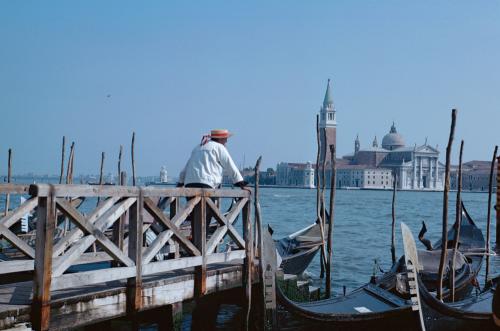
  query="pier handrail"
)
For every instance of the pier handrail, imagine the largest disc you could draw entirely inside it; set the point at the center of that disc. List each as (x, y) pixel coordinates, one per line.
(154, 212)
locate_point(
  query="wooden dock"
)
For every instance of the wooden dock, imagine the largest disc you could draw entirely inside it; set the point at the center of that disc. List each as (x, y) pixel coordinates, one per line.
(135, 249)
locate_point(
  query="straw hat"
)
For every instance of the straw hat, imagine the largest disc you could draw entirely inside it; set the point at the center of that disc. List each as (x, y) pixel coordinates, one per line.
(220, 133)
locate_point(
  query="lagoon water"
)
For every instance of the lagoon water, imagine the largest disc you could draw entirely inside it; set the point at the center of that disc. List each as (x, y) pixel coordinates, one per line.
(362, 229)
(362, 225)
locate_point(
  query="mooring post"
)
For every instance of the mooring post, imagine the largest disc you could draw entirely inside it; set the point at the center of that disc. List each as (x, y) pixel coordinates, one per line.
(45, 225)
(9, 178)
(173, 319)
(134, 284)
(393, 212)
(488, 235)
(199, 240)
(63, 149)
(119, 226)
(444, 238)
(497, 206)
(328, 285)
(458, 220)
(248, 265)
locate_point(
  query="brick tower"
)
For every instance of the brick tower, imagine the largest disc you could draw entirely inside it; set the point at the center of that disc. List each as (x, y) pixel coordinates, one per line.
(328, 123)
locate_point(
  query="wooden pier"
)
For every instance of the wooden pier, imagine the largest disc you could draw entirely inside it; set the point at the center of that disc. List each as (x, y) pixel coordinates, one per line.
(134, 249)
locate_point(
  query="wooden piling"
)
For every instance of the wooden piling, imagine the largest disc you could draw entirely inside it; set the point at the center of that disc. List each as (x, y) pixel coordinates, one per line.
(134, 284)
(323, 204)
(490, 190)
(46, 222)
(318, 198)
(458, 220)
(118, 178)
(119, 225)
(101, 174)
(444, 238)
(63, 150)
(69, 170)
(497, 206)
(328, 285)
(248, 264)
(259, 241)
(9, 179)
(133, 158)
(393, 226)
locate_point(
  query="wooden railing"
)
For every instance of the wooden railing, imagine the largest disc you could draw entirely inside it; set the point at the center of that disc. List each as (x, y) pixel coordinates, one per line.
(111, 234)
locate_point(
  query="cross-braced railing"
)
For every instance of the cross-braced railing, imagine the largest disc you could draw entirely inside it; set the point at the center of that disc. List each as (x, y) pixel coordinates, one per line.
(132, 232)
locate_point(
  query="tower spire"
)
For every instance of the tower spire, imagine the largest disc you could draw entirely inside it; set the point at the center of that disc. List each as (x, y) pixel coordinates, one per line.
(328, 101)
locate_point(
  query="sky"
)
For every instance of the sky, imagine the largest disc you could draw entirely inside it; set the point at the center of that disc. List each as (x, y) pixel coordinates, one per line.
(97, 71)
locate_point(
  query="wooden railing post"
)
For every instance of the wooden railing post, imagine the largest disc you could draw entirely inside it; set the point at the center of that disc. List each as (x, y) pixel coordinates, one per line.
(134, 285)
(43, 262)
(199, 220)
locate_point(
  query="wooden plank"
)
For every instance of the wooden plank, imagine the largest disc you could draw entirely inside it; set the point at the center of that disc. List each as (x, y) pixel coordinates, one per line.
(199, 239)
(74, 190)
(43, 262)
(14, 266)
(19, 212)
(134, 284)
(14, 188)
(229, 228)
(15, 241)
(76, 233)
(89, 228)
(189, 262)
(86, 278)
(163, 237)
(150, 206)
(155, 191)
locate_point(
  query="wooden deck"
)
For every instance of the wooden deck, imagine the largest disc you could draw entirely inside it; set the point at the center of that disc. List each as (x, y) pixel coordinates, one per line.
(76, 307)
(134, 274)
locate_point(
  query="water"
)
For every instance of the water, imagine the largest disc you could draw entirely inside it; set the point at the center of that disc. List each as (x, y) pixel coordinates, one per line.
(362, 229)
(362, 225)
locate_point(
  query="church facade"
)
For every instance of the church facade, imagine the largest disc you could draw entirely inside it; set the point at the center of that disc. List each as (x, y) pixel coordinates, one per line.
(416, 168)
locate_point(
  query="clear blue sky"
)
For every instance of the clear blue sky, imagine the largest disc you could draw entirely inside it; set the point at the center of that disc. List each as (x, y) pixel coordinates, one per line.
(171, 70)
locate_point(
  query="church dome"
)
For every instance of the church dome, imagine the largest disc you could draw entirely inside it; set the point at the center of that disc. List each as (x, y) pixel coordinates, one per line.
(393, 139)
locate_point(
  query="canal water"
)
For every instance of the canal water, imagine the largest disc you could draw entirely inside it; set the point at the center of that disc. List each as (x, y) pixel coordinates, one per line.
(362, 230)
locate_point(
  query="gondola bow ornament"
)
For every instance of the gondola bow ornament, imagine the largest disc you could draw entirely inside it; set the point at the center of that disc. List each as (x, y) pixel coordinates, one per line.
(413, 267)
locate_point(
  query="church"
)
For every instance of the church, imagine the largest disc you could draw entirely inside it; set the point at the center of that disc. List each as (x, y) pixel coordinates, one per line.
(416, 167)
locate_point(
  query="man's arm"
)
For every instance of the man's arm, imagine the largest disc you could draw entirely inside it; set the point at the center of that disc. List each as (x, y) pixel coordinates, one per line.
(228, 165)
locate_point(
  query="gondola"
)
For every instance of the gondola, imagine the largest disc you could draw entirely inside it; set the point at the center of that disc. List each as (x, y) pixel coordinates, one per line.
(468, 261)
(472, 313)
(297, 250)
(385, 304)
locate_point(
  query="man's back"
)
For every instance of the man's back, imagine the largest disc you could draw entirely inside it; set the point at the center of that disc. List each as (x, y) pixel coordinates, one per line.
(207, 164)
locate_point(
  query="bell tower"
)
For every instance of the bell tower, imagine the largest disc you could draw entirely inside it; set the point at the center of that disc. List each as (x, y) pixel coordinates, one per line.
(327, 124)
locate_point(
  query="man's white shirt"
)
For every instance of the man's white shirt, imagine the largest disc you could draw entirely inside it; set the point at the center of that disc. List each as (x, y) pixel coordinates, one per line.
(207, 165)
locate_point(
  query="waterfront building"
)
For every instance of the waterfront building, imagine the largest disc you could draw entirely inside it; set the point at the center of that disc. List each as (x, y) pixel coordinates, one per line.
(417, 167)
(475, 176)
(361, 176)
(295, 174)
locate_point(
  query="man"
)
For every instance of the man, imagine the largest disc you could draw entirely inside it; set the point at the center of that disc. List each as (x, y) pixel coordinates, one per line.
(209, 161)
